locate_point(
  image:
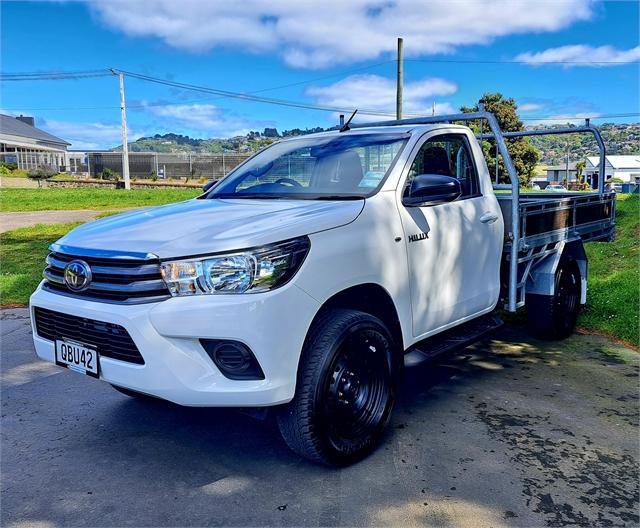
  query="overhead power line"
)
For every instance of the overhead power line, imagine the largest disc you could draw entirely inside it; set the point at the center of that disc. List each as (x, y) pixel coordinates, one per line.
(53, 76)
(515, 61)
(249, 96)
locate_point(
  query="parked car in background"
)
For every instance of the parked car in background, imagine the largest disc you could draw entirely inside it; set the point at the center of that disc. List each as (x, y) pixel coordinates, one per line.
(535, 187)
(613, 187)
(556, 188)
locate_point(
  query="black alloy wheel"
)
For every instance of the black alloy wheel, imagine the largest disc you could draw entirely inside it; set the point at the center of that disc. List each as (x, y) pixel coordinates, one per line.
(345, 389)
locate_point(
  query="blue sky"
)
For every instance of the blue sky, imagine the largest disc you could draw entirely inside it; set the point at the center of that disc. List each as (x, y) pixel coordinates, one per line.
(340, 54)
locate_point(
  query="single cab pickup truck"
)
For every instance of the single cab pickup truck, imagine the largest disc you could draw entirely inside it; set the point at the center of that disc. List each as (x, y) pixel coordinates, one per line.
(313, 273)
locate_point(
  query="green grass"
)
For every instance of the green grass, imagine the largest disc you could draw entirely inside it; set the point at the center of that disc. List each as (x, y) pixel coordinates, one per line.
(22, 254)
(614, 271)
(613, 299)
(58, 199)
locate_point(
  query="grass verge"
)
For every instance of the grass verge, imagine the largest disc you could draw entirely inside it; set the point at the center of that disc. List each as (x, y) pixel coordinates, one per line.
(22, 254)
(613, 299)
(59, 199)
(614, 272)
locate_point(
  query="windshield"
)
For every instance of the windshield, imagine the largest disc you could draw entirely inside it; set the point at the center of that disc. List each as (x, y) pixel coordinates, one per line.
(331, 167)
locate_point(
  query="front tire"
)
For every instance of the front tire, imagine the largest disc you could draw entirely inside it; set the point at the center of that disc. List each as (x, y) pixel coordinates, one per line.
(345, 389)
(554, 317)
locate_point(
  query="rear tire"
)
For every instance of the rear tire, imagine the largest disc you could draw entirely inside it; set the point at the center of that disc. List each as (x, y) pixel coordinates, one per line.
(345, 389)
(554, 317)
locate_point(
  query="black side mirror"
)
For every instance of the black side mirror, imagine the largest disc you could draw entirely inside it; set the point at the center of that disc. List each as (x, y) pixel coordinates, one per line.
(432, 189)
(208, 185)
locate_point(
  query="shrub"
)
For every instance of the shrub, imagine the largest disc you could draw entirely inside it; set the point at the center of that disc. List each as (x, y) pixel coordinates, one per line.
(42, 173)
(9, 165)
(615, 180)
(4, 171)
(109, 174)
(154, 176)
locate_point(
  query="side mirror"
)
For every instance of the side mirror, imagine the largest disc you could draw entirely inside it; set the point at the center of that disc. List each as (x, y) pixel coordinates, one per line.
(208, 185)
(432, 189)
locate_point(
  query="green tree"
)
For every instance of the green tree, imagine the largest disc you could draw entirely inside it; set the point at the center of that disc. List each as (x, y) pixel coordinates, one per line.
(580, 166)
(523, 154)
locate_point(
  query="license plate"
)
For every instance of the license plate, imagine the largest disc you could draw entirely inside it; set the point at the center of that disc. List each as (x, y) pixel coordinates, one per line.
(77, 356)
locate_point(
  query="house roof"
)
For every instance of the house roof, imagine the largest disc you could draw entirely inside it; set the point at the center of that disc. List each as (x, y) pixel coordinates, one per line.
(562, 166)
(14, 127)
(618, 162)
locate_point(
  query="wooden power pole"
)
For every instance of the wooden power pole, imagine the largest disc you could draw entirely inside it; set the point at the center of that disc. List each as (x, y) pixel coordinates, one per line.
(399, 79)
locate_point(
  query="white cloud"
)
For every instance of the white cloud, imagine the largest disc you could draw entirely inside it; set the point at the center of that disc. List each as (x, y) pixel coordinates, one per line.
(581, 55)
(87, 135)
(530, 107)
(311, 34)
(373, 92)
(204, 119)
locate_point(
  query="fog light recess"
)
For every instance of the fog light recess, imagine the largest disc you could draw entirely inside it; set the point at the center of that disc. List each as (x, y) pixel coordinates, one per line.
(234, 359)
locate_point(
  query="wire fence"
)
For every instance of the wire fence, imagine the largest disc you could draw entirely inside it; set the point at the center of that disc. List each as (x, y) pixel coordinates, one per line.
(142, 165)
(152, 165)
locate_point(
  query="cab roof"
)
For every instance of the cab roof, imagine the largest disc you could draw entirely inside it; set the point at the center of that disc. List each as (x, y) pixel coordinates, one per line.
(397, 129)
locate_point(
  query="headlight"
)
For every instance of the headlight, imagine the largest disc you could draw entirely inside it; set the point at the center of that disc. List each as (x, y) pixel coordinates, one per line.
(250, 271)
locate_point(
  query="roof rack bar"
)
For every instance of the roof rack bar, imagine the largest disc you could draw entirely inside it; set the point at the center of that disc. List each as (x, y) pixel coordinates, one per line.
(470, 116)
(587, 129)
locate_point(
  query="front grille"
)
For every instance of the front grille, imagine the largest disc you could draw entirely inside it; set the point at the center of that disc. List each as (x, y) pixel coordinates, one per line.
(117, 280)
(111, 340)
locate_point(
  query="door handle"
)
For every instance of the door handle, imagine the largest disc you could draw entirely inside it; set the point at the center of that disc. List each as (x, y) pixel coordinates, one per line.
(488, 218)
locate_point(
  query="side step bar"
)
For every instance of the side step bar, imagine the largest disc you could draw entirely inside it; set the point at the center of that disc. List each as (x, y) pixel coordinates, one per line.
(455, 338)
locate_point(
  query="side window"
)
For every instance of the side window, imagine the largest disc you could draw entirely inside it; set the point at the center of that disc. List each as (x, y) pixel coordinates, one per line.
(448, 155)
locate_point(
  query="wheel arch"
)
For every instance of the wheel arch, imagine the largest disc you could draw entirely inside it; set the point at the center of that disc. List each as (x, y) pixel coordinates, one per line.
(370, 298)
(541, 280)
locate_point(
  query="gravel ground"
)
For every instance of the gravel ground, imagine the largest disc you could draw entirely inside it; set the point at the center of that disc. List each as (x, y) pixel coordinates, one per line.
(511, 432)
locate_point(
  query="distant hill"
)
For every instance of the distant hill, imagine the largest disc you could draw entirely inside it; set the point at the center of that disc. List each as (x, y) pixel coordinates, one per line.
(619, 139)
(252, 142)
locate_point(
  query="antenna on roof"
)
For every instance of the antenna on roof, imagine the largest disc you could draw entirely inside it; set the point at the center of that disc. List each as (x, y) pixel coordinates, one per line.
(345, 127)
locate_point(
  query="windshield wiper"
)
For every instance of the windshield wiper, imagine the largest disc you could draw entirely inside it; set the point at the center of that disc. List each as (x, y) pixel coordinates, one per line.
(248, 196)
(338, 197)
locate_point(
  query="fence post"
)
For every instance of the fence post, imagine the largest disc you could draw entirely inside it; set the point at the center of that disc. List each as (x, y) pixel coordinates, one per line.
(190, 166)
(224, 168)
(155, 159)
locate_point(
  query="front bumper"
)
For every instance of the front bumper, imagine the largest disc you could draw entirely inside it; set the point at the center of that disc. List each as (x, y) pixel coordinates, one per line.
(177, 368)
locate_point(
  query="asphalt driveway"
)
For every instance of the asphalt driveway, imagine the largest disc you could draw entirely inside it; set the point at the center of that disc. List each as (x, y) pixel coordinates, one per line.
(10, 221)
(512, 432)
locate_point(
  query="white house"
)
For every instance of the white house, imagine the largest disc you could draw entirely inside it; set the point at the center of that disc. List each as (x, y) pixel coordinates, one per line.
(627, 168)
(558, 173)
(22, 143)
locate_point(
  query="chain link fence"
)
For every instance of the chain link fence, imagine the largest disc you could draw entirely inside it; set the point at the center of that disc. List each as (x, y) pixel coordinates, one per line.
(142, 165)
(152, 165)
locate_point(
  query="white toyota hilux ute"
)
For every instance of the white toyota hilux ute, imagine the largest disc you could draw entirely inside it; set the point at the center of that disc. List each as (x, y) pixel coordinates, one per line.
(307, 278)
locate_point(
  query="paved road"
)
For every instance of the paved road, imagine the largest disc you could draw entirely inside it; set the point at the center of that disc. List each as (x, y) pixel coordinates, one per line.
(510, 433)
(9, 221)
